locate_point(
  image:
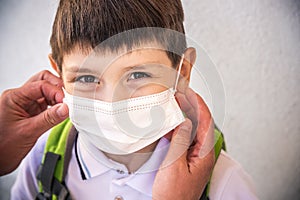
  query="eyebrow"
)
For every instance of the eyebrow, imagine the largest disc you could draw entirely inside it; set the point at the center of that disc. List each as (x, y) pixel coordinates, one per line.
(76, 69)
(145, 66)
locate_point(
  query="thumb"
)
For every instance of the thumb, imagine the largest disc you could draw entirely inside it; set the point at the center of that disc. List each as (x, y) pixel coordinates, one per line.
(180, 143)
(50, 117)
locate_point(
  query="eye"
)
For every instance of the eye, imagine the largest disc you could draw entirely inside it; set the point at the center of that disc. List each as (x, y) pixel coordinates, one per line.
(138, 75)
(87, 79)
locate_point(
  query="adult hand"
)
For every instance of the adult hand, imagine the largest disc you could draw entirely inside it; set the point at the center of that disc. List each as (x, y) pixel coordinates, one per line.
(24, 116)
(189, 162)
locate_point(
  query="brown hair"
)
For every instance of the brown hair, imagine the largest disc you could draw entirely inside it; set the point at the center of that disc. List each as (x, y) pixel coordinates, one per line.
(87, 23)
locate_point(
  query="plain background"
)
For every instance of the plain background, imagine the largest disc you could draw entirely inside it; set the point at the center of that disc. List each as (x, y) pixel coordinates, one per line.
(255, 46)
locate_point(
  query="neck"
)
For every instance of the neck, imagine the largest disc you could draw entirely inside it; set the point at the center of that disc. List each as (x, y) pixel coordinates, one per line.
(134, 160)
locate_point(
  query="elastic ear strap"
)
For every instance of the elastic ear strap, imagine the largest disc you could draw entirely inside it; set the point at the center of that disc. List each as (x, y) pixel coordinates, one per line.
(178, 72)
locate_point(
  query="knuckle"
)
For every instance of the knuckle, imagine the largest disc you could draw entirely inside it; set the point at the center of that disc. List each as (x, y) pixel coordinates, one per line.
(8, 96)
(6, 92)
(41, 84)
(44, 73)
(43, 81)
(38, 83)
(50, 119)
(35, 86)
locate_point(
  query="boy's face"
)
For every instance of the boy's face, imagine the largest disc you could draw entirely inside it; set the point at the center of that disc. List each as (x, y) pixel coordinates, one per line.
(112, 77)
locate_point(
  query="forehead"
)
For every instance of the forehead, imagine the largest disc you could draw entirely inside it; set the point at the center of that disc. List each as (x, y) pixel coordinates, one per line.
(136, 56)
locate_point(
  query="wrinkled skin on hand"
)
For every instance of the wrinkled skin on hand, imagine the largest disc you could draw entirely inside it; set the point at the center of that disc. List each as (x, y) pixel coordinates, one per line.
(25, 116)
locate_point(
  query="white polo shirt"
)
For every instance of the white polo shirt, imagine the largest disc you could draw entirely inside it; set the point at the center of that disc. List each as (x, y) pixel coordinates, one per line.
(91, 175)
(112, 178)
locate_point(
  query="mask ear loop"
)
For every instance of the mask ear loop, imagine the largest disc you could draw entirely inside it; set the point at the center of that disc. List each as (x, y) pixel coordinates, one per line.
(178, 74)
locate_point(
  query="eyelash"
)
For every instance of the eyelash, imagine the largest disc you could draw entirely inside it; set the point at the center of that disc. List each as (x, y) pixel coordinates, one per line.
(83, 79)
(132, 75)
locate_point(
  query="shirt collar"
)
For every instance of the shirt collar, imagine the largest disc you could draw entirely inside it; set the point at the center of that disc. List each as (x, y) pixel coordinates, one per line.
(144, 177)
(95, 163)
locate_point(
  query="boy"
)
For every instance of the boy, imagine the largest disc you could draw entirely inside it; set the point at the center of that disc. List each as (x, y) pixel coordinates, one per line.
(119, 80)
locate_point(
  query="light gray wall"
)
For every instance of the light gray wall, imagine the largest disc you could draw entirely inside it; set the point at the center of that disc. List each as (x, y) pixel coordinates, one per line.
(255, 46)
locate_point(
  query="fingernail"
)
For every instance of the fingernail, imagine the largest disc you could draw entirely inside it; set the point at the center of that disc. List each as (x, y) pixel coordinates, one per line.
(62, 111)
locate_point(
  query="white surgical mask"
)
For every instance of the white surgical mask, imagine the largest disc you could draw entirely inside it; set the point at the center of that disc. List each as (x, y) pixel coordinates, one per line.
(125, 126)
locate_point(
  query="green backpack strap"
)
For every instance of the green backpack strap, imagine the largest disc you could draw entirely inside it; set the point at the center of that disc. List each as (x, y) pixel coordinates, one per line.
(55, 161)
(220, 143)
(57, 156)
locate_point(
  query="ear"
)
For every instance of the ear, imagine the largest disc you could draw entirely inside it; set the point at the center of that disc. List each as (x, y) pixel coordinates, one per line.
(54, 65)
(188, 62)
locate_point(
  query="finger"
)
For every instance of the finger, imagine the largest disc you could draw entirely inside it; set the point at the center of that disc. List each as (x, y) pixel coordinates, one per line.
(50, 117)
(204, 118)
(203, 143)
(209, 141)
(186, 106)
(197, 110)
(33, 91)
(47, 76)
(180, 143)
(204, 140)
(36, 107)
(190, 107)
(198, 104)
(201, 167)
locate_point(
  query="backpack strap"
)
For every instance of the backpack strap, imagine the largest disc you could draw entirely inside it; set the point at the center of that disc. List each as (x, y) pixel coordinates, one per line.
(57, 154)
